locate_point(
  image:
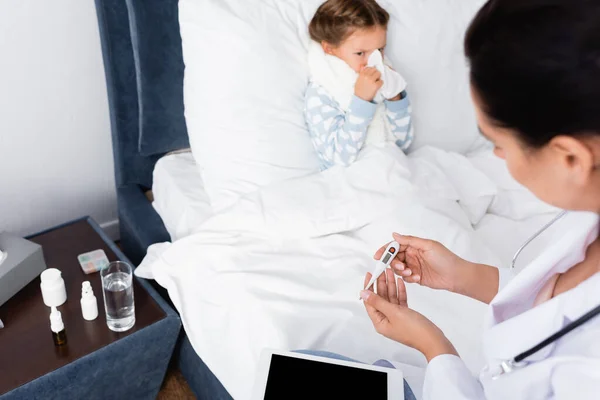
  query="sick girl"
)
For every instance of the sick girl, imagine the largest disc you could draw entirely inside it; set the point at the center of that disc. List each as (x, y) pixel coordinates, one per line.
(349, 102)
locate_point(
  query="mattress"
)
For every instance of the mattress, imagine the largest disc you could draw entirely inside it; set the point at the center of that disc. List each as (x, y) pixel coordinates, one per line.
(179, 196)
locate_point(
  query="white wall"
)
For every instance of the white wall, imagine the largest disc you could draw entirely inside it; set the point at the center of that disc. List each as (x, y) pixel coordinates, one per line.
(55, 147)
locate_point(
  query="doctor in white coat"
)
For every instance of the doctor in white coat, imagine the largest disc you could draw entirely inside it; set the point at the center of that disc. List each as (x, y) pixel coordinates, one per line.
(535, 77)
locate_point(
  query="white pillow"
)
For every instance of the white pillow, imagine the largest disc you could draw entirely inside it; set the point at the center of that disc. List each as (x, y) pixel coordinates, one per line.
(246, 73)
(245, 78)
(425, 43)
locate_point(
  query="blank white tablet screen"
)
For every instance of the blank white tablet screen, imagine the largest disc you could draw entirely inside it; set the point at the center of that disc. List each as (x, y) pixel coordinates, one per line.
(319, 380)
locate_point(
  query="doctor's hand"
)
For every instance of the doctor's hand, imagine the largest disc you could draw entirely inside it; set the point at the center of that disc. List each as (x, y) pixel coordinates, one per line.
(426, 262)
(393, 319)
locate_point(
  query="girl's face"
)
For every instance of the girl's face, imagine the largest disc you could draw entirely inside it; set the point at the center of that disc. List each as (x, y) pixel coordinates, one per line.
(357, 47)
(564, 173)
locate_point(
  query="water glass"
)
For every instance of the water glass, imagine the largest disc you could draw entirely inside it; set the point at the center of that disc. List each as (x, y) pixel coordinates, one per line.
(117, 290)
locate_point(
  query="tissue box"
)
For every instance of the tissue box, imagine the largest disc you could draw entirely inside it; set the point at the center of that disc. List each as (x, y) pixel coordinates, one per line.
(24, 262)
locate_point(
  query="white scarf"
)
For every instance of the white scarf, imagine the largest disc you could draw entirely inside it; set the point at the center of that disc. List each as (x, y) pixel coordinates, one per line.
(335, 76)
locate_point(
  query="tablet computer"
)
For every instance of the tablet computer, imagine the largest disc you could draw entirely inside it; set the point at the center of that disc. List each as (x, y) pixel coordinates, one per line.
(289, 375)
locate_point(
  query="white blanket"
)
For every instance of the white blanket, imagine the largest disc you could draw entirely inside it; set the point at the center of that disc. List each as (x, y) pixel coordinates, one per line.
(283, 267)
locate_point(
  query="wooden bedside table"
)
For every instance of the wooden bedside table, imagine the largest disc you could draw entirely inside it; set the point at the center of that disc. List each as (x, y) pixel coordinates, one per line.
(96, 362)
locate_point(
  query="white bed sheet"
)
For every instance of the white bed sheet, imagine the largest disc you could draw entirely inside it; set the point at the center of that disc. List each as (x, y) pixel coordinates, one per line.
(179, 196)
(283, 267)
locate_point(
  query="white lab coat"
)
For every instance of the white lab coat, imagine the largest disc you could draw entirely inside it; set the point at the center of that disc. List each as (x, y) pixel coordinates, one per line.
(568, 368)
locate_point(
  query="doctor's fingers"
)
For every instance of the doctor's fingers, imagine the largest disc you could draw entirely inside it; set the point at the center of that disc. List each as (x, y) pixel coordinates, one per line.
(367, 279)
(378, 303)
(413, 269)
(376, 317)
(402, 295)
(379, 320)
(398, 263)
(392, 289)
(382, 288)
(408, 242)
(396, 290)
(404, 273)
(415, 278)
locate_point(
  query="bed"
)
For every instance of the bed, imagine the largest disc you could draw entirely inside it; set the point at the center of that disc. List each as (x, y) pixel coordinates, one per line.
(192, 250)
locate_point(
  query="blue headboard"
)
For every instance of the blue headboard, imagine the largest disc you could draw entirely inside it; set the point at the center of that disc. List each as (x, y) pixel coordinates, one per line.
(143, 62)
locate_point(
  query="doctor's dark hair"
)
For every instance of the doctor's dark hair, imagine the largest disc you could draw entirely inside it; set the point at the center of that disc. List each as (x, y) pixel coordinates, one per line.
(335, 20)
(535, 66)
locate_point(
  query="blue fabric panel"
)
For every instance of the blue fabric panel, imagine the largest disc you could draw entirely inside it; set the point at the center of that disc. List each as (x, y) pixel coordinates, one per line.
(203, 382)
(139, 223)
(119, 68)
(159, 67)
(131, 368)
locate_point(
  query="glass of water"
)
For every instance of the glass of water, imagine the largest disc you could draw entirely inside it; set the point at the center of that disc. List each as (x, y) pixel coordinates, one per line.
(117, 289)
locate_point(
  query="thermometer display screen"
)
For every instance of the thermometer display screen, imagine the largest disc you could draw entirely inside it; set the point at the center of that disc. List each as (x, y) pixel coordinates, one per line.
(386, 258)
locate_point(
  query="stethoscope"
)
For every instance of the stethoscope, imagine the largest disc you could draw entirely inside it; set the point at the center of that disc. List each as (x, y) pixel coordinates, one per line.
(518, 362)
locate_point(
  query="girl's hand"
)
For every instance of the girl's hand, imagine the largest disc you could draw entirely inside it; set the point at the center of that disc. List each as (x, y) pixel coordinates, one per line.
(393, 319)
(368, 83)
(426, 262)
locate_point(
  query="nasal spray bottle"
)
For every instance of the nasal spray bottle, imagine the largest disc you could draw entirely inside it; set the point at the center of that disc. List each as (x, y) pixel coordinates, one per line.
(89, 304)
(57, 327)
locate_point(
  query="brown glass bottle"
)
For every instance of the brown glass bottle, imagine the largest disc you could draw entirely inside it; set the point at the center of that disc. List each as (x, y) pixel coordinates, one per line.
(60, 338)
(58, 328)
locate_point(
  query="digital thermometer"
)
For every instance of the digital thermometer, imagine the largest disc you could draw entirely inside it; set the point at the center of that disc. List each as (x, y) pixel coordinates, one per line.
(386, 259)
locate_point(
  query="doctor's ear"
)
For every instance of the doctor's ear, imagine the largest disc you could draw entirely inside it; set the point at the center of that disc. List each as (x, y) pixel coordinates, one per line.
(577, 155)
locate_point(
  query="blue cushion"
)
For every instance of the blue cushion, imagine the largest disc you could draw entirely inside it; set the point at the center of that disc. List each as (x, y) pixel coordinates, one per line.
(156, 42)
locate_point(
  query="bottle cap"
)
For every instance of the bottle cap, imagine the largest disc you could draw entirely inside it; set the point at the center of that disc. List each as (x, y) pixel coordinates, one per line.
(53, 288)
(89, 305)
(56, 322)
